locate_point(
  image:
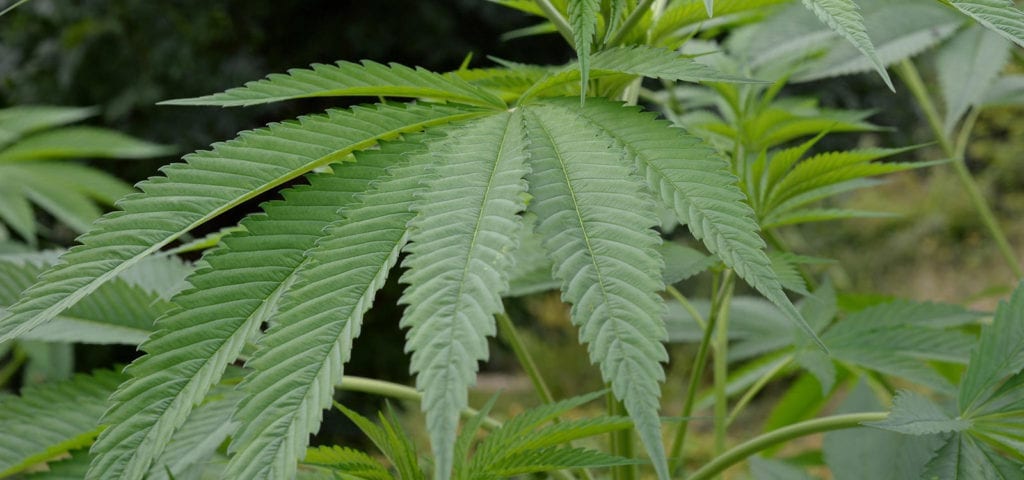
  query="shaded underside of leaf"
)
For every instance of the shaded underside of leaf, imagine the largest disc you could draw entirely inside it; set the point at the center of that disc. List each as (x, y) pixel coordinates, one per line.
(466, 227)
(691, 178)
(596, 219)
(236, 288)
(301, 357)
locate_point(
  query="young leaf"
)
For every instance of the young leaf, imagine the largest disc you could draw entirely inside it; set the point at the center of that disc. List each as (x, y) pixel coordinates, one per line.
(842, 16)
(51, 419)
(369, 79)
(552, 458)
(864, 452)
(583, 19)
(691, 178)
(207, 185)
(237, 287)
(302, 356)
(967, 66)
(636, 60)
(1000, 354)
(603, 246)
(465, 228)
(683, 262)
(1000, 16)
(346, 461)
(915, 414)
(392, 442)
(964, 458)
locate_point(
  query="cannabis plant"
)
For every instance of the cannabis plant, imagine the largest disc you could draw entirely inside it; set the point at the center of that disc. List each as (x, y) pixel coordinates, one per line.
(454, 184)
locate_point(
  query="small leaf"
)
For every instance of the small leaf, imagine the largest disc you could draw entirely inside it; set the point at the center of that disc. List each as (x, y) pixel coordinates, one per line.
(683, 262)
(999, 354)
(843, 17)
(583, 19)
(967, 66)
(915, 414)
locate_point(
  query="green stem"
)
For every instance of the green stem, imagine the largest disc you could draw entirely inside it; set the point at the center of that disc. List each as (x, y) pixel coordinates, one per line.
(679, 297)
(622, 440)
(700, 362)
(721, 363)
(912, 78)
(743, 451)
(557, 19)
(508, 333)
(401, 392)
(755, 388)
(12, 7)
(631, 21)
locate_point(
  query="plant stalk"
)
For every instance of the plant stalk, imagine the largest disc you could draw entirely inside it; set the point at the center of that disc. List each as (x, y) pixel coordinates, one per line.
(622, 440)
(507, 331)
(700, 362)
(557, 19)
(908, 72)
(741, 452)
(755, 388)
(721, 363)
(631, 21)
(401, 392)
(679, 297)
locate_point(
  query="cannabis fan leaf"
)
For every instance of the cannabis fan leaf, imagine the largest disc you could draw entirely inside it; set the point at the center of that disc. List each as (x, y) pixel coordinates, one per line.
(295, 281)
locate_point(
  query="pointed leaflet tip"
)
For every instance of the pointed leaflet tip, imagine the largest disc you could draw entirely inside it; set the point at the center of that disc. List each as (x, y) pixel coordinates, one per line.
(709, 5)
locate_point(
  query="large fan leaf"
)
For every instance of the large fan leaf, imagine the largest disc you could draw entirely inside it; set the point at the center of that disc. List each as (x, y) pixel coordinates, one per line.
(237, 288)
(207, 185)
(462, 236)
(369, 79)
(1000, 16)
(301, 357)
(49, 420)
(692, 179)
(843, 17)
(596, 219)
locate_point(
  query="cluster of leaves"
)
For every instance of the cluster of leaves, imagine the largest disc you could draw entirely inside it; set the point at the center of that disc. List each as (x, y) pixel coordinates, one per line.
(483, 164)
(526, 444)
